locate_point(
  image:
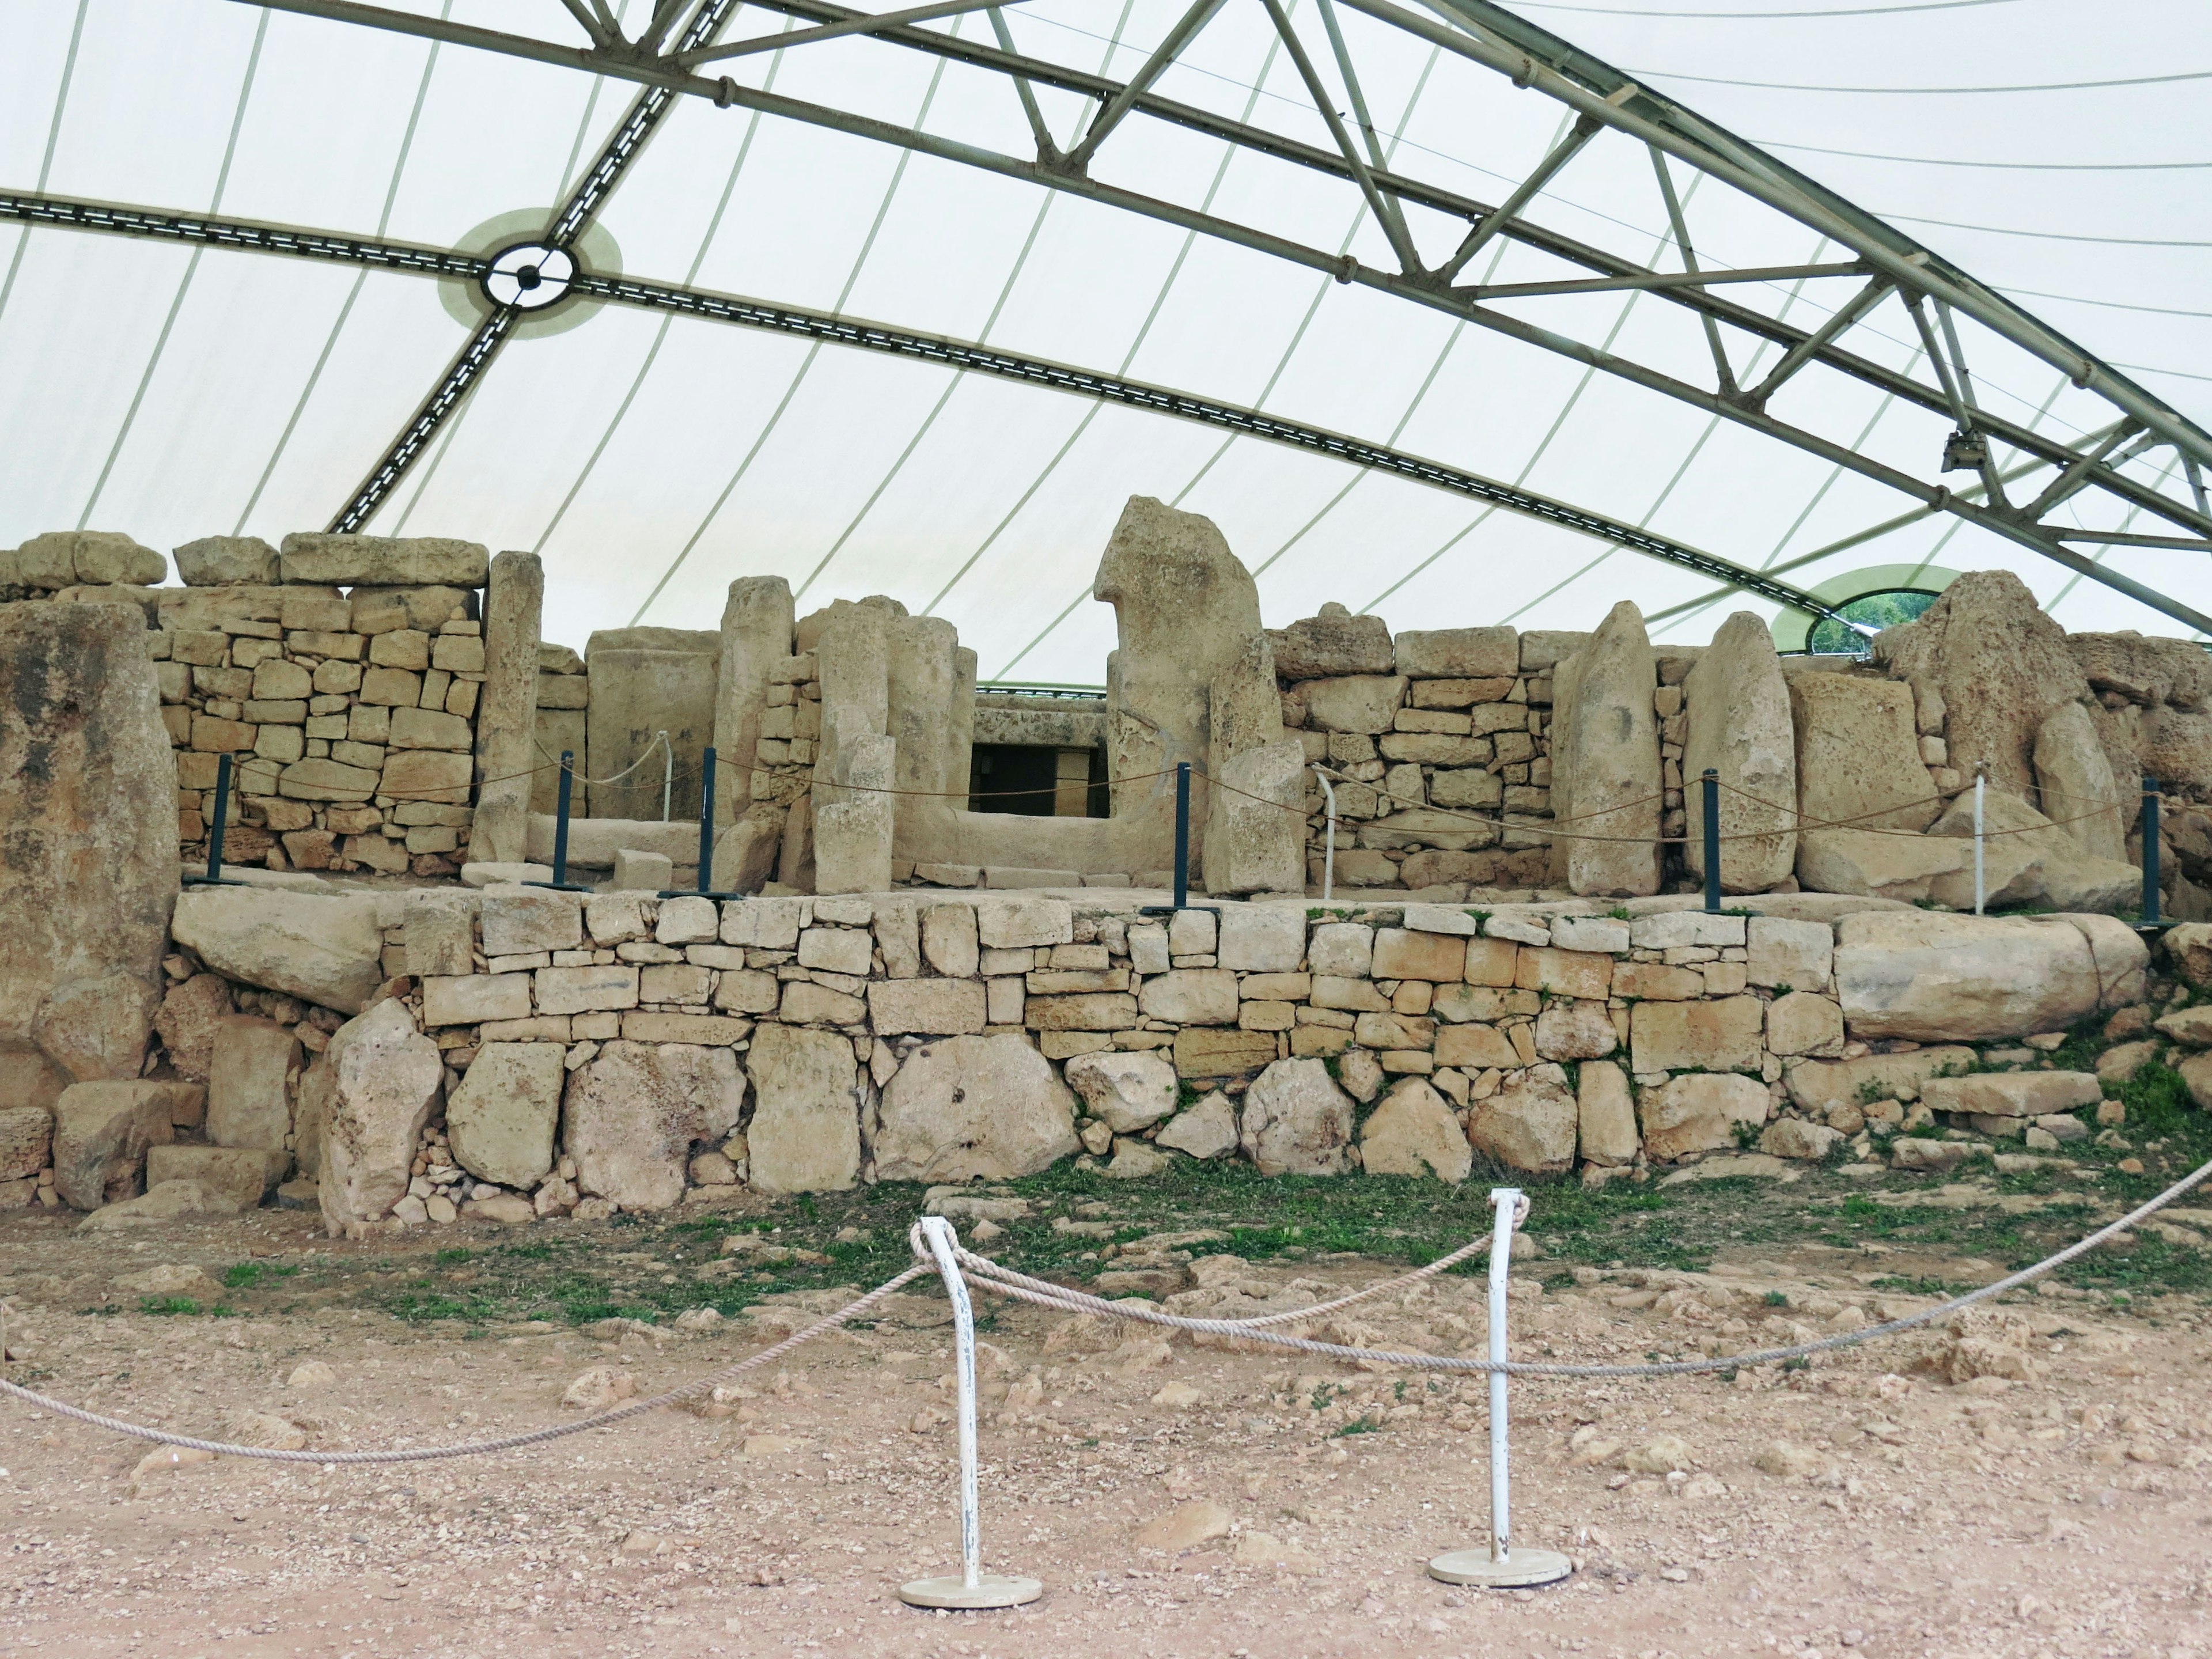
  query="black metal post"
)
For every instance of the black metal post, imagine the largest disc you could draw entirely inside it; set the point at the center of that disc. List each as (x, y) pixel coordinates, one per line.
(561, 832)
(1711, 784)
(706, 836)
(215, 877)
(2150, 854)
(1182, 836)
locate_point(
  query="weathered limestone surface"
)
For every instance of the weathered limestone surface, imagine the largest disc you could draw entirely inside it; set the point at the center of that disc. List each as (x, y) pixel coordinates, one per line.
(189, 1016)
(1126, 1092)
(1458, 654)
(1333, 642)
(1858, 757)
(384, 561)
(2073, 773)
(1740, 726)
(1205, 1130)
(1878, 863)
(385, 1078)
(221, 560)
(101, 1132)
(1413, 1132)
(1605, 1111)
(323, 949)
(91, 793)
(854, 822)
(804, 1135)
(1531, 1123)
(248, 1103)
(27, 1140)
(1297, 1120)
(644, 680)
(972, 1108)
(1822, 1087)
(1605, 760)
(239, 1177)
(756, 633)
(67, 558)
(932, 758)
(1934, 978)
(1700, 1112)
(631, 1116)
(1721, 1035)
(2013, 1094)
(2027, 859)
(506, 709)
(501, 1120)
(1255, 842)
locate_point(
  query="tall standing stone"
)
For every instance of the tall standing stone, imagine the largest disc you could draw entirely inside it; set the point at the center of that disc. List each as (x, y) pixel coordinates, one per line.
(1606, 743)
(1740, 726)
(1249, 845)
(804, 1136)
(1858, 755)
(2073, 773)
(853, 815)
(924, 678)
(756, 634)
(506, 709)
(386, 1078)
(645, 681)
(89, 861)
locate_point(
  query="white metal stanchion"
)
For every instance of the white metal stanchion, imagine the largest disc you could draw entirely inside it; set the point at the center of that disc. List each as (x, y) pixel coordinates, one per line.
(1981, 783)
(1328, 855)
(973, 1588)
(1501, 1566)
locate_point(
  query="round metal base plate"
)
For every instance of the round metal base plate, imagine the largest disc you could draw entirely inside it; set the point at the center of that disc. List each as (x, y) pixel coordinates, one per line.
(1523, 1570)
(996, 1590)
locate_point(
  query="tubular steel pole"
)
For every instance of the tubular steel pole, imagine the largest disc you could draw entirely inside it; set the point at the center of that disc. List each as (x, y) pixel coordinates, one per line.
(704, 887)
(973, 1588)
(215, 877)
(1981, 884)
(1182, 836)
(560, 829)
(1711, 785)
(1328, 856)
(2150, 854)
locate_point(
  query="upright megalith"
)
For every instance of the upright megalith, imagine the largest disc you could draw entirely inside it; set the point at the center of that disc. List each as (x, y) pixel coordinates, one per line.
(2074, 776)
(506, 709)
(89, 851)
(1605, 761)
(757, 623)
(1739, 725)
(385, 1079)
(1254, 837)
(1858, 755)
(645, 681)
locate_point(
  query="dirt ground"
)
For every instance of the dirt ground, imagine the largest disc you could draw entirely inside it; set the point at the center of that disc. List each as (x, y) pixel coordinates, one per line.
(2060, 1514)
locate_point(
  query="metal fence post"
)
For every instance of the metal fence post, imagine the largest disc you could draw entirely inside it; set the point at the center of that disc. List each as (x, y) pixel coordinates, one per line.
(973, 1588)
(1500, 1567)
(706, 836)
(215, 877)
(1182, 836)
(2150, 918)
(1328, 854)
(1981, 882)
(1711, 784)
(561, 832)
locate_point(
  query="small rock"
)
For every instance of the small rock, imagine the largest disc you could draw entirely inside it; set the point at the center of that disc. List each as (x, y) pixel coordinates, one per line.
(249, 1428)
(599, 1387)
(1186, 1527)
(1261, 1549)
(169, 1457)
(1177, 1396)
(1662, 1457)
(641, 1543)
(771, 1445)
(167, 1279)
(699, 1322)
(1134, 1160)
(1788, 1462)
(311, 1374)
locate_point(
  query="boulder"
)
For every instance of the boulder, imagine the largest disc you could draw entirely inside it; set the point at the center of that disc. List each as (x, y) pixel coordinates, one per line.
(629, 1116)
(1794, 1137)
(1334, 642)
(1936, 978)
(1605, 1112)
(91, 819)
(187, 1023)
(1531, 1123)
(2189, 949)
(26, 1140)
(501, 1117)
(1858, 755)
(1883, 864)
(242, 1177)
(1413, 1132)
(1700, 1113)
(1205, 1130)
(804, 1135)
(2027, 859)
(2074, 776)
(385, 1077)
(1803, 1023)
(972, 1107)
(101, 1132)
(1721, 1035)
(66, 558)
(2012, 1094)
(2190, 1026)
(322, 950)
(1605, 760)
(384, 561)
(1740, 726)
(248, 1094)
(1125, 1090)
(225, 562)
(1822, 1087)
(1297, 1120)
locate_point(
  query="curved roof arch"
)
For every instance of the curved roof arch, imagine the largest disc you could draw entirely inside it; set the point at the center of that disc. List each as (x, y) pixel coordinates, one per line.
(1446, 314)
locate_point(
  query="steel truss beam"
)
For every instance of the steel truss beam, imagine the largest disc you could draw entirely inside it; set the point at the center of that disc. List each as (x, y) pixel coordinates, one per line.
(961, 354)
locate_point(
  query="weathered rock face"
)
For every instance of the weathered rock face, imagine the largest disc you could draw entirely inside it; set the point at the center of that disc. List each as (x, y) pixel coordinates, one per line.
(1718, 1036)
(1473, 654)
(226, 561)
(2012, 1094)
(91, 818)
(1740, 726)
(501, 1120)
(1822, 1087)
(1255, 835)
(101, 1132)
(1879, 863)
(71, 558)
(2002, 665)
(2073, 773)
(1605, 756)
(1205, 1130)
(2026, 859)
(240, 1177)
(1700, 1113)
(757, 620)
(321, 950)
(1333, 642)
(506, 708)
(1413, 1132)
(1297, 1120)
(1933, 978)
(248, 1103)
(27, 1140)
(1570, 1030)
(384, 561)
(853, 827)
(1606, 1112)
(632, 1114)
(644, 680)
(804, 1135)
(189, 1016)
(1530, 1124)
(972, 1108)
(1858, 757)
(385, 1077)
(1127, 1091)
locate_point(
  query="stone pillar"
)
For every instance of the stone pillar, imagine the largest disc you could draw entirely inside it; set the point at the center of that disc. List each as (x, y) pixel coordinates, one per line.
(960, 732)
(853, 660)
(1244, 712)
(1738, 706)
(853, 830)
(507, 711)
(756, 631)
(923, 688)
(1605, 740)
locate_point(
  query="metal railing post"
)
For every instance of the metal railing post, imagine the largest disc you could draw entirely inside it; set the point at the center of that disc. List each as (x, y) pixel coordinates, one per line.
(561, 830)
(2150, 917)
(973, 1588)
(1981, 882)
(1711, 785)
(1182, 836)
(706, 836)
(1499, 1567)
(1328, 854)
(215, 877)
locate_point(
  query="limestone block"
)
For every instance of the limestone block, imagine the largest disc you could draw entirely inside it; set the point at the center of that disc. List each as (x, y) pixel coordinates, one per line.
(1361, 703)
(1802, 1023)
(643, 872)
(1206, 1130)
(1191, 996)
(241, 1177)
(1018, 921)
(1794, 1137)
(630, 1117)
(1564, 973)
(62, 558)
(804, 1135)
(745, 852)
(1475, 1047)
(1822, 1087)
(1402, 954)
(1786, 955)
(587, 990)
(2188, 948)
(472, 999)
(187, 1023)
(501, 1120)
(247, 1101)
(224, 561)
(1880, 864)
(1297, 1120)
(101, 1133)
(384, 561)
(840, 950)
(756, 636)
(688, 919)
(1699, 1112)
(2012, 1094)
(1097, 1012)
(522, 921)
(898, 939)
(853, 830)
(1413, 1132)
(1255, 835)
(1459, 789)
(1605, 1111)
(385, 1078)
(1570, 1030)
(1126, 1090)
(817, 1005)
(322, 950)
(972, 1108)
(711, 1030)
(26, 1139)
(1719, 1036)
(1460, 654)
(1202, 1051)
(1343, 950)
(1530, 1124)
(1932, 978)
(1605, 760)
(644, 681)
(949, 939)
(934, 1007)
(1740, 726)
(1603, 934)
(2073, 773)
(1858, 755)
(1334, 642)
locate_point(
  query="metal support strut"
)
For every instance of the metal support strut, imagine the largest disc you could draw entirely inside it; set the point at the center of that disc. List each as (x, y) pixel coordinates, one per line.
(973, 1588)
(1501, 1567)
(1711, 784)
